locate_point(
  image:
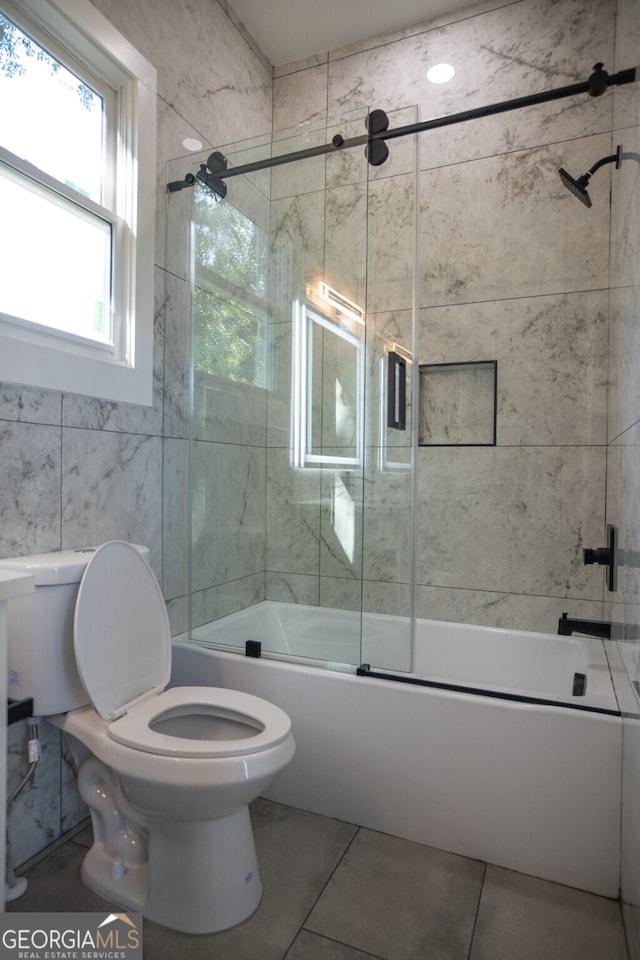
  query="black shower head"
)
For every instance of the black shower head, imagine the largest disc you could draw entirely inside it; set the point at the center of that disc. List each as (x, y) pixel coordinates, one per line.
(578, 187)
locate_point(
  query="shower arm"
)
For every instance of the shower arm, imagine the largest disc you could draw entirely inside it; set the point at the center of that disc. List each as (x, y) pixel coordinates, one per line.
(616, 158)
(595, 86)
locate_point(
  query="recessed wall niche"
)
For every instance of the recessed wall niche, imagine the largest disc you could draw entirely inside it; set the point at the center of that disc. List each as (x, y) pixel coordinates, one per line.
(458, 404)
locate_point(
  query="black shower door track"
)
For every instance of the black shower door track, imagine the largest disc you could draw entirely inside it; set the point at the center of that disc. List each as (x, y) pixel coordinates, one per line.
(598, 82)
(365, 671)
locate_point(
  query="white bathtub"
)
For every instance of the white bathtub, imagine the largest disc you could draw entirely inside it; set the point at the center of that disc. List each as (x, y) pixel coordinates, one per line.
(538, 665)
(513, 769)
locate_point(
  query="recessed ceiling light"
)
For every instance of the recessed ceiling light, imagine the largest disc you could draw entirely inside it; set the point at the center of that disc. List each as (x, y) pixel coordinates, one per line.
(190, 143)
(440, 73)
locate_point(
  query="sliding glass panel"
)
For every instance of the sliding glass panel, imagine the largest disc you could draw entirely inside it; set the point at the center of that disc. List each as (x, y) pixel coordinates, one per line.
(388, 512)
(277, 279)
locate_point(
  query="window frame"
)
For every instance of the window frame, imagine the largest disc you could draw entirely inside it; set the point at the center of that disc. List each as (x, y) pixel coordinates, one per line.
(73, 31)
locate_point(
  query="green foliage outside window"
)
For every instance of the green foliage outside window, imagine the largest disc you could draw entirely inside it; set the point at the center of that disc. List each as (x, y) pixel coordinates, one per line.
(229, 297)
(16, 47)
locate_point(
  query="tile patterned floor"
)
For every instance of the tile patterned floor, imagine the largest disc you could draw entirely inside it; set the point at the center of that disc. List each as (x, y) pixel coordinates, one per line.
(335, 891)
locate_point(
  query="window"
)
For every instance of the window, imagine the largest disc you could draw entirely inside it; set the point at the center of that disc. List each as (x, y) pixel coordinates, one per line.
(77, 194)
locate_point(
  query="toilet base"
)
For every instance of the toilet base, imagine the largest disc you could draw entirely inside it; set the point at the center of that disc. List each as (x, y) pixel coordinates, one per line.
(201, 876)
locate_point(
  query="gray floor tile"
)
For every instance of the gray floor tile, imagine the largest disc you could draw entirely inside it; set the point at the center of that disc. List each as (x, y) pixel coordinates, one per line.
(384, 898)
(311, 946)
(523, 918)
(55, 885)
(297, 852)
(400, 900)
(631, 915)
(84, 836)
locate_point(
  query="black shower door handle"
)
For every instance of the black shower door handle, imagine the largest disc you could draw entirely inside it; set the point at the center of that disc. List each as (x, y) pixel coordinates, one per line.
(396, 391)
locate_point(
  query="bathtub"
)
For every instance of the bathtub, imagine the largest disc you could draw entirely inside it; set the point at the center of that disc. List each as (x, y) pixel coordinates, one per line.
(485, 748)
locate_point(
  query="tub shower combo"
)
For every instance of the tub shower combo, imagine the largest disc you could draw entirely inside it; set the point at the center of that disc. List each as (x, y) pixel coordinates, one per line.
(315, 406)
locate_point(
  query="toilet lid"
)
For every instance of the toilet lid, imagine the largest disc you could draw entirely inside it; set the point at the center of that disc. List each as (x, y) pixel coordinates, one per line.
(121, 630)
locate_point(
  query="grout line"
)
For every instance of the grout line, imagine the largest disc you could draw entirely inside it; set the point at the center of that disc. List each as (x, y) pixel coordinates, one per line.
(324, 887)
(624, 930)
(349, 946)
(475, 919)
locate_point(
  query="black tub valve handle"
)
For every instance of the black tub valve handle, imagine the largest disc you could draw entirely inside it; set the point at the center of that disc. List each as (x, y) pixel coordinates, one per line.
(605, 557)
(601, 555)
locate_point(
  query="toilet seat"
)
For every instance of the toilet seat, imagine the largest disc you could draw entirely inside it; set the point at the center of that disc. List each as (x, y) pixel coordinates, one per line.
(122, 646)
(262, 724)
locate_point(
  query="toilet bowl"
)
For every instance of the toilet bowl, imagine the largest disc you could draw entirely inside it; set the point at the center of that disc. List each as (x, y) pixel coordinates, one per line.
(167, 774)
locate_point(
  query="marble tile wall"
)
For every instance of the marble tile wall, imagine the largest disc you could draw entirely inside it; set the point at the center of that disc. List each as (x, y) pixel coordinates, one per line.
(623, 455)
(77, 471)
(511, 268)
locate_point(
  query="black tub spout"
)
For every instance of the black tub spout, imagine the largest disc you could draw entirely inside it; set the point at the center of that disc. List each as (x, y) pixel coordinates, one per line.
(592, 628)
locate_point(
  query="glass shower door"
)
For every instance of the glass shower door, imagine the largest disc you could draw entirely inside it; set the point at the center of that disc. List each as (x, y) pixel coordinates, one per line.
(316, 416)
(299, 489)
(388, 503)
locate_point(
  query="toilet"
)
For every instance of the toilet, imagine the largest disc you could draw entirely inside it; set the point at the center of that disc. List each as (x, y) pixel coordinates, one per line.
(167, 774)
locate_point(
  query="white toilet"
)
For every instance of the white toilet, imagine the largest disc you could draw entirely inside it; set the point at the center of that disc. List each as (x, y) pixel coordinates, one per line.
(167, 774)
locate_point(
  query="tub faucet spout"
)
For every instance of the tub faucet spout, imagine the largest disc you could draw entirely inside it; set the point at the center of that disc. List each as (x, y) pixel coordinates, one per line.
(592, 628)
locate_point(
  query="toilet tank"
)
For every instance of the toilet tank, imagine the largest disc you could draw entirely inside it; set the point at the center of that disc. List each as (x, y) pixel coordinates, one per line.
(40, 654)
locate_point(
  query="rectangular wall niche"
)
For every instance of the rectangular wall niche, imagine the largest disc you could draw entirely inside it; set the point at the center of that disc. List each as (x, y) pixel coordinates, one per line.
(458, 404)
